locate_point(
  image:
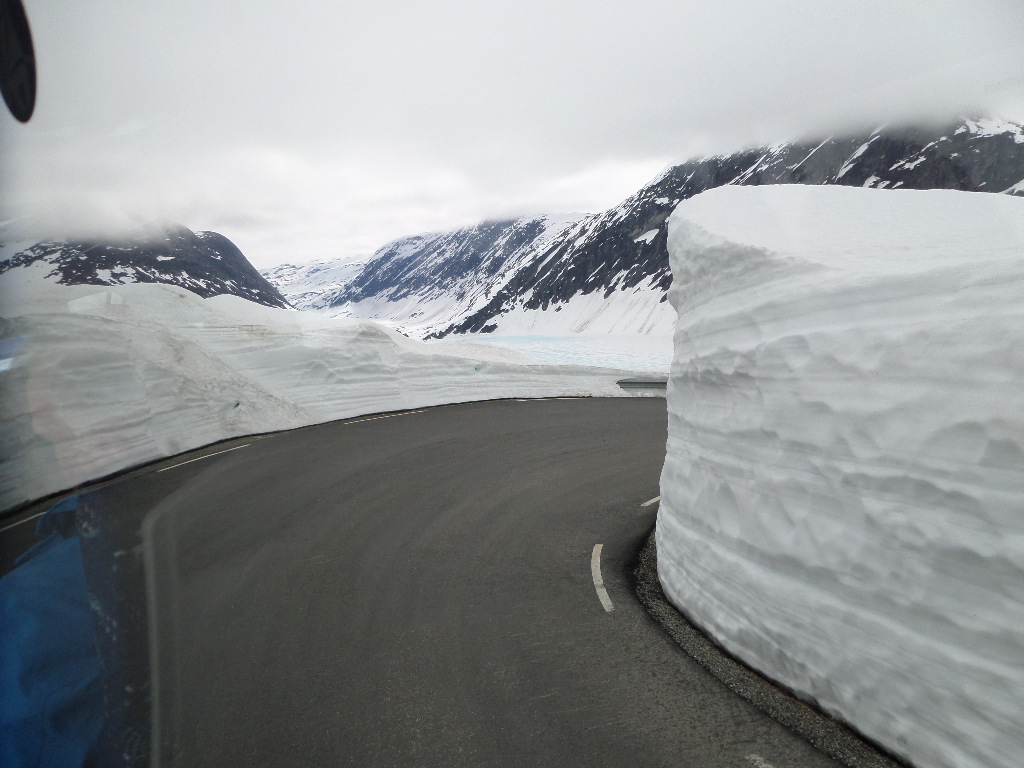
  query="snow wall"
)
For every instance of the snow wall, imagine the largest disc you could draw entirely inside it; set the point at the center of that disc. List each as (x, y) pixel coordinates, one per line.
(99, 378)
(843, 496)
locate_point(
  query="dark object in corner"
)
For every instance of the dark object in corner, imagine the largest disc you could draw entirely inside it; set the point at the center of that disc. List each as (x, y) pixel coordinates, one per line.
(17, 61)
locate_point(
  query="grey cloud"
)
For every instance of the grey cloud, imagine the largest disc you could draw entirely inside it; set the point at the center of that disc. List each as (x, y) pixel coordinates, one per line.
(331, 127)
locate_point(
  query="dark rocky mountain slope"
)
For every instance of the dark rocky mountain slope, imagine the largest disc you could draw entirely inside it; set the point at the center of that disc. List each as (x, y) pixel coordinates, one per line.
(420, 283)
(206, 263)
(625, 249)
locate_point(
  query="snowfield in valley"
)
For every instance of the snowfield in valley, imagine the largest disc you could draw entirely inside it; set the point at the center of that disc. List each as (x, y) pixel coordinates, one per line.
(841, 500)
(97, 379)
(651, 355)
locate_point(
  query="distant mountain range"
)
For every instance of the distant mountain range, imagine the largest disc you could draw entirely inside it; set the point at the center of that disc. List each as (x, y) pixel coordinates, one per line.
(609, 272)
(598, 273)
(205, 263)
(423, 280)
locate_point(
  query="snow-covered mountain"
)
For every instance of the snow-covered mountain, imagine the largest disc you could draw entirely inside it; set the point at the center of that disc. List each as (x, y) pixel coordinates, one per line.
(621, 255)
(608, 272)
(421, 283)
(309, 286)
(205, 263)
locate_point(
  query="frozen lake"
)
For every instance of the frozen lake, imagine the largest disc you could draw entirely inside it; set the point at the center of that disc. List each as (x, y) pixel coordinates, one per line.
(650, 354)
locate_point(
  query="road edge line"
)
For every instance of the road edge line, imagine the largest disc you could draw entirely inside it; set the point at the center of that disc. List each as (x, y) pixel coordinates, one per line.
(595, 574)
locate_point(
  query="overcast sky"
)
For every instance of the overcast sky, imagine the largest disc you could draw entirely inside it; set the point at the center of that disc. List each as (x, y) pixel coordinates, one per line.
(315, 129)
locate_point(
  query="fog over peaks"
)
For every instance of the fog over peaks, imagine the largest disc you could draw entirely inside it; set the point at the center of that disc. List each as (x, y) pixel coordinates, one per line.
(328, 129)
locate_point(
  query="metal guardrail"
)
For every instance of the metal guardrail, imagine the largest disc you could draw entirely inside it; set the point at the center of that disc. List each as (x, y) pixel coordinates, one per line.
(643, 383)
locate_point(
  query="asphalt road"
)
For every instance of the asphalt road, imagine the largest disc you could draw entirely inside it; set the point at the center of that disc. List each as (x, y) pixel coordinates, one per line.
(417, 590)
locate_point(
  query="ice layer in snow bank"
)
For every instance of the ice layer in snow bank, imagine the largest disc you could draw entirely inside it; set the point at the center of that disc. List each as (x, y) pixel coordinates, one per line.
(94, 381)
(842, 504)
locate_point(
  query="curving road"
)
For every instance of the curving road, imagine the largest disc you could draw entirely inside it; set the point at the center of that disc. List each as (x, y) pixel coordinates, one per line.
(418, 590)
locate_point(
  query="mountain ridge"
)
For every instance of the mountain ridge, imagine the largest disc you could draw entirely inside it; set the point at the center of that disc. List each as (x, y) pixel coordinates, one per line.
(626, 247)
(205, 263)
(412, 281)
(621, 254)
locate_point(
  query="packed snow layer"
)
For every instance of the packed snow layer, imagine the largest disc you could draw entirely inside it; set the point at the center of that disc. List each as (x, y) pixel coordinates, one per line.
(94, 381)
(841, 503)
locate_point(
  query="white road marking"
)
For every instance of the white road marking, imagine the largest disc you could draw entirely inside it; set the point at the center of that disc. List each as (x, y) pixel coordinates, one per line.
(553, 397)
(200, 458)
(114, 481)
(595, 572)
(385, 416)
(759, 762)
(651, 501)
(26, 520)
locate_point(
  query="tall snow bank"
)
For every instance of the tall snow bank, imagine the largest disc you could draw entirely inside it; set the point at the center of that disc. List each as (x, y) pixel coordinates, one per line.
(843, 496)
(95, 379)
